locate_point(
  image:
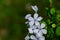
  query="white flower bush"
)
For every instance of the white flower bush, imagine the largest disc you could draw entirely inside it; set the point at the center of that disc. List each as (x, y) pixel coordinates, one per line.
(36, 28)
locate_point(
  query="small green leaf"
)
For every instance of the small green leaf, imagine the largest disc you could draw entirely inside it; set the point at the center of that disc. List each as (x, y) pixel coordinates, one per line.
(58, 15)
(49, 22)
(50, 1)
(52, 10)
(58, 31)
(53, 25)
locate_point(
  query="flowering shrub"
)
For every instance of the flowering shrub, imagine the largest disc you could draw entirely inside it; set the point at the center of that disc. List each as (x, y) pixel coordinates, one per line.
(36, 29)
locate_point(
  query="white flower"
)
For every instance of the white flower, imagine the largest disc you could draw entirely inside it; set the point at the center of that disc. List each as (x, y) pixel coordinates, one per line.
(27, 37)
(41, 26)
(35, 30)
(30, 30)
(32, 37)
(39, 34)
(43, 31)
(42, 38)
(33, 27)
(34, 20)
(35, 8)
(27, 16)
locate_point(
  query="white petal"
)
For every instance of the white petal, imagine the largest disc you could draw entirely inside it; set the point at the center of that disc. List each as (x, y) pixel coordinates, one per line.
(26, 22)
(30, 30)
(27, 37)
(33, 26)
(35, 39)
(44, 31)
(39, 34)
(42, 25)
(37, 23)
(32, 37)
(39, 18)
(35, 16)
(30, 19)
(38, 27)
(27, 16)
(36, 30)
(35, 8)
(42, 38)
(31, 23)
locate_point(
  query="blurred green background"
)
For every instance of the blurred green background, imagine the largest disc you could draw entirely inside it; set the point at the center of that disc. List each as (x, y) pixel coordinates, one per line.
(12, 16)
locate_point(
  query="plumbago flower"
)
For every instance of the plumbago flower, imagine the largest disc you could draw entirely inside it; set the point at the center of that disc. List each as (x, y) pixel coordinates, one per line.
(36, 28)
(33, 20)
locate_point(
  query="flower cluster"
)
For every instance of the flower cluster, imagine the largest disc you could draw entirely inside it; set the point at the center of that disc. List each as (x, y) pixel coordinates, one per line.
(36, 28)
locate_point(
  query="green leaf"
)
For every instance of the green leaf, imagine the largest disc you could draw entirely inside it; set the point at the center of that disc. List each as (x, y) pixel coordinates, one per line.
(58, 15)
(50, 1)
(49, 15)
(52, 10)
(53, 25)
(58, 31)
(49, 22)
(50, 33)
